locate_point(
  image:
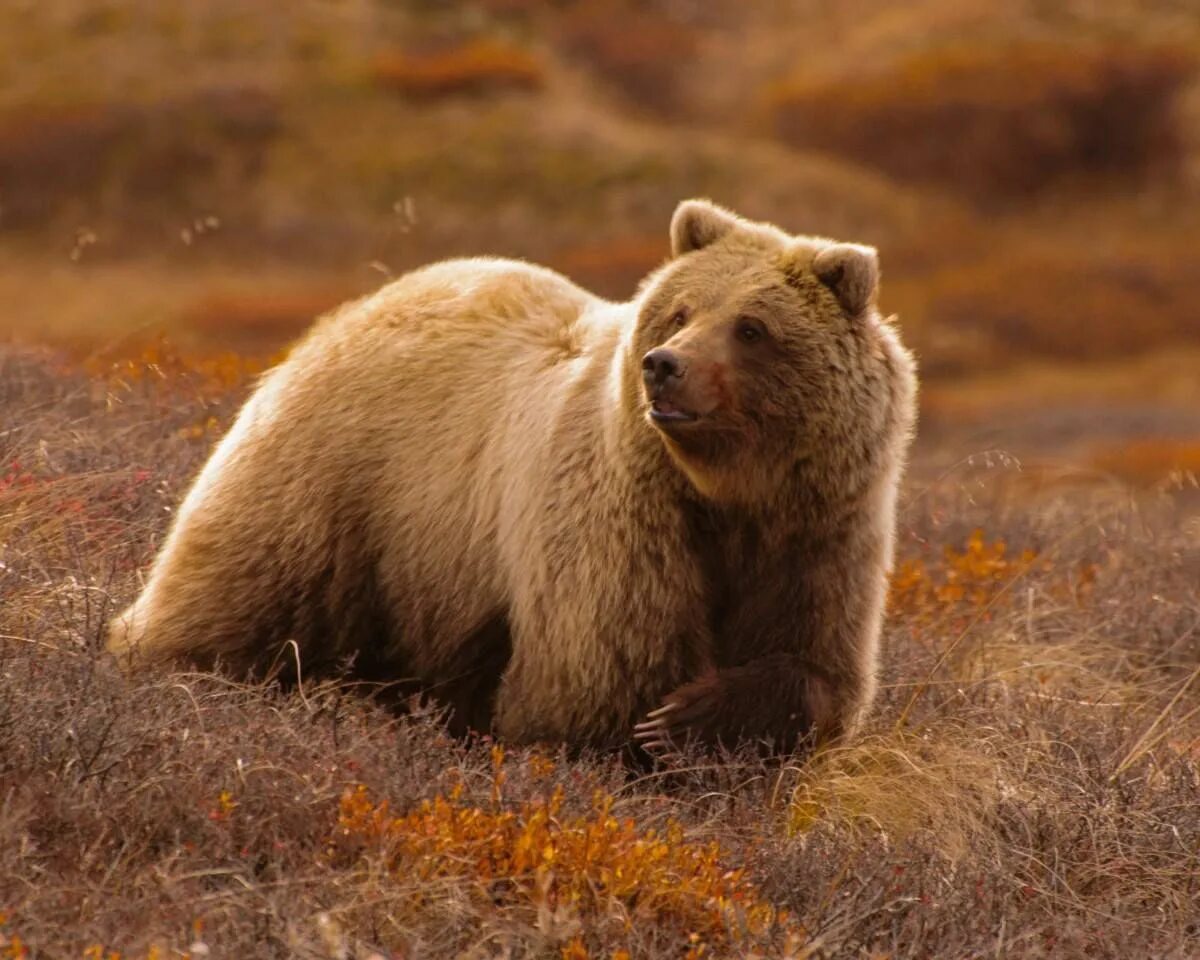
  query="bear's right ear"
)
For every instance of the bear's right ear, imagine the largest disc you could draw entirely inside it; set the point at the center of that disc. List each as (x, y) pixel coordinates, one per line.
(851, 271)
(697, 223)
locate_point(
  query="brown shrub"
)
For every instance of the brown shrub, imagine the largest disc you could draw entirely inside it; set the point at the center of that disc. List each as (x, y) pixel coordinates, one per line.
(1004, 119)
(638, 49)
(160, 154)
(1060, 303)
(479, 66)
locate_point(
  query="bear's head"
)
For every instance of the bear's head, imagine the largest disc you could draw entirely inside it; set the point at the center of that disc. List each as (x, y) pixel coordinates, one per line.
(763, 352)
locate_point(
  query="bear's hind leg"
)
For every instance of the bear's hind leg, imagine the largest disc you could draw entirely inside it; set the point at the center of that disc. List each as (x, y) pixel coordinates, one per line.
(209, 599)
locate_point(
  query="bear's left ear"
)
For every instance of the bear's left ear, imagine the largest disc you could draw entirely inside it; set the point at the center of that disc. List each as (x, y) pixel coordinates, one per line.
(851, 271)
(697, 223)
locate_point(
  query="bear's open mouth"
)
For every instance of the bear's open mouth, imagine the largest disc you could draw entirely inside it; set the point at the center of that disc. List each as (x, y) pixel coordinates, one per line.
(666, 412)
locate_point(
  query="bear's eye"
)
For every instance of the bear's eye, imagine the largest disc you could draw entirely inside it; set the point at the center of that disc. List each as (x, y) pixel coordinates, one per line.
(749, 331)
(679, 317)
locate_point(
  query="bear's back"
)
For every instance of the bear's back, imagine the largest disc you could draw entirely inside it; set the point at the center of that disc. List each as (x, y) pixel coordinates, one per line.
(422, 407)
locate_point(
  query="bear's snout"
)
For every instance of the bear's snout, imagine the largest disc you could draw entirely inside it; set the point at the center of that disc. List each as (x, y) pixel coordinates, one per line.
(660, 365)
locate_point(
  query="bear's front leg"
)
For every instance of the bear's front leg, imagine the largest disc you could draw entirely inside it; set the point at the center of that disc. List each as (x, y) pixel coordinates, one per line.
(779, 701)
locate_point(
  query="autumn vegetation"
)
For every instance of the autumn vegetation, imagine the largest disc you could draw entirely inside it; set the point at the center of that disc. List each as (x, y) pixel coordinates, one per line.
(480, 66)
(1028, 779)
(184, 187)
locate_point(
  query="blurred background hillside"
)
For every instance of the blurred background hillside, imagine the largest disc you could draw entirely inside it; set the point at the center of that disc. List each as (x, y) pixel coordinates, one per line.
(185, 184)
(1030, 171)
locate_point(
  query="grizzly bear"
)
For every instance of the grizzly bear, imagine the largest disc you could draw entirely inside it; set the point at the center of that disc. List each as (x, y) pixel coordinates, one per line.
(560, 515)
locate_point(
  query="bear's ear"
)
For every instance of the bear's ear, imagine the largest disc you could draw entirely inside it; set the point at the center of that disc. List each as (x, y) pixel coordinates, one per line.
(851, 271)
(697, 223)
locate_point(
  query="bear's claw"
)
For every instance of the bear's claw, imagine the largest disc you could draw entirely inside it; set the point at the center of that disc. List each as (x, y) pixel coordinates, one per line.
(661, 711)
(654, 734)
(687, 713)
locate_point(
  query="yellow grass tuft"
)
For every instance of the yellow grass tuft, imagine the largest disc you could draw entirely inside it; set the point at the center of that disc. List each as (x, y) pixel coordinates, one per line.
(944, 785)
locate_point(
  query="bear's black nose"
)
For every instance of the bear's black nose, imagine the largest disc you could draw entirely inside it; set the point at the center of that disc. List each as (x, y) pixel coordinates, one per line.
(660, 364)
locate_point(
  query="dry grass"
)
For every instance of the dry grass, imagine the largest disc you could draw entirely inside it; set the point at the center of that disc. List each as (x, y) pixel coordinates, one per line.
(1151, 461)
(1027, 785)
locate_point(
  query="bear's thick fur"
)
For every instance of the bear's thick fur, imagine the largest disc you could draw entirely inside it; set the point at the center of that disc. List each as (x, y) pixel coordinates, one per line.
(558, 513)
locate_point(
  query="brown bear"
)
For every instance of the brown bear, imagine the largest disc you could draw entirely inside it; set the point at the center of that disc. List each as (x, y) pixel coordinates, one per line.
(561, 515)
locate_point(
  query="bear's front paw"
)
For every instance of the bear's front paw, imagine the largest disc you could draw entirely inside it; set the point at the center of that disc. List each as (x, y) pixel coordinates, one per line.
(687, 713)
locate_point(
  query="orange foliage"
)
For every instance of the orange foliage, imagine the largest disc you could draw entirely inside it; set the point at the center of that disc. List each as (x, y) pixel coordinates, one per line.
(594, 867)
(159, 369)
(967, 579)
(973, 582)
(476, 67)
(1002, 118)
(12, 947)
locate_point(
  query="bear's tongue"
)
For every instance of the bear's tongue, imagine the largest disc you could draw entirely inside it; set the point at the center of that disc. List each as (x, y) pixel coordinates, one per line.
(665, 406)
